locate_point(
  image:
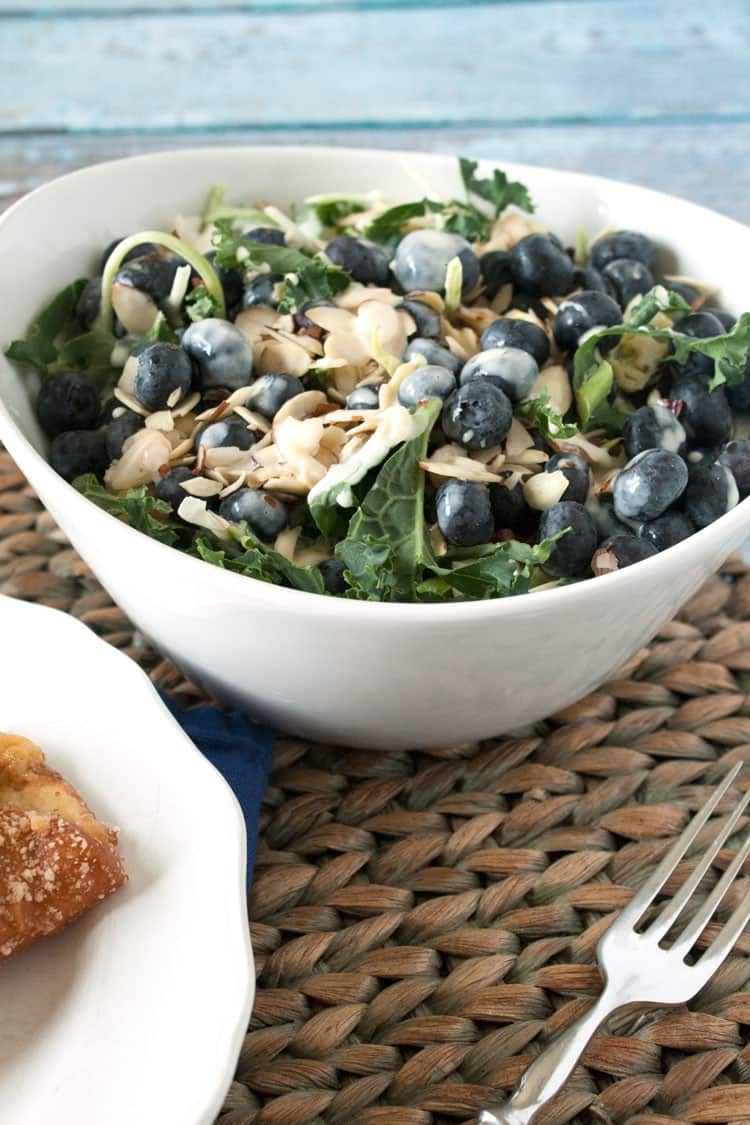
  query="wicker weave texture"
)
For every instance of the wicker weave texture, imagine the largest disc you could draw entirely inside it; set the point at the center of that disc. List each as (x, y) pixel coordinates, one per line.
(423, 922)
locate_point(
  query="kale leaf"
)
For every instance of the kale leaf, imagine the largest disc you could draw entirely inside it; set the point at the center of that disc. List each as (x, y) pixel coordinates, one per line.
(502, 570)
(387, 545)
(248, 556)
(499, 191)
(199, 304)
(57, 320)
(539, 413)
(136, 508)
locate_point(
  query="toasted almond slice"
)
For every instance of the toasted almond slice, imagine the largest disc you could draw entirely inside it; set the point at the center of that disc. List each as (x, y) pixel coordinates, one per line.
(308, 343)
(389, 390)
(135, 309)
(195, 511)
(500, 303)
(202, 487)
(531, 457)
(518, 439)
(476, 317)
(254, 421)
(161, 420)
(300, 406)
(357, 294)
(381, 330)
(143, 454)
(426, 297)
(226, 455)
(438, 542)
(355, 442)
(333, 437)
(182, 452)
(186, 405)
(347, 346)
(554, 381)
(254, 322)
(332, 319)
(462, 468)
(597, 455)
(131, 403)
(484, 456)
(281, 355)
(545, 489)
(343, 383)
(214, 413)
(461, 342)
(286, 542)
(126, 382)
(286, 484)
(312, 555)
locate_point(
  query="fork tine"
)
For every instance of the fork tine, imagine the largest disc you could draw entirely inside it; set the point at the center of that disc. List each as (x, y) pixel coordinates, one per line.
(702, 917)
(632, 912)
(674, 908)
(727, 936)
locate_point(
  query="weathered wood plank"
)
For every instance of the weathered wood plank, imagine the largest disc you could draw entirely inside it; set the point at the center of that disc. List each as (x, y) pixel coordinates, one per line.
(495, 66)
(705, 163)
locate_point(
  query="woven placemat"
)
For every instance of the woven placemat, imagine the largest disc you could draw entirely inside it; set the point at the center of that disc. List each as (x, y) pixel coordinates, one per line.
(424, 921)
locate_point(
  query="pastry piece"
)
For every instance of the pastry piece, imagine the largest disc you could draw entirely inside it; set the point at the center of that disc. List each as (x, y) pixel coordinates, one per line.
(56, 859)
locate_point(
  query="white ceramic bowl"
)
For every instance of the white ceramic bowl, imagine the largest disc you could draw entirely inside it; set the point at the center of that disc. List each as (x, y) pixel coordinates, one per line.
(354, 672)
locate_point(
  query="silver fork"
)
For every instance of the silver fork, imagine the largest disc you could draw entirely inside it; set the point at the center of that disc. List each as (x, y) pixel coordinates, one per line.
(635, 967)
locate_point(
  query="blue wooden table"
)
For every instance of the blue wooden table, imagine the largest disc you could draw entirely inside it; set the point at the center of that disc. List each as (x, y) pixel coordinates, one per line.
(658, 94)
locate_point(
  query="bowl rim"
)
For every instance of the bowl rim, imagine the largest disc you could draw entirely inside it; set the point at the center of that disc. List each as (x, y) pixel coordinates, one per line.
(543, 598)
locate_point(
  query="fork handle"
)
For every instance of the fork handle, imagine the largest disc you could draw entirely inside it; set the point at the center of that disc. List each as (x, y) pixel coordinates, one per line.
(551, 1069)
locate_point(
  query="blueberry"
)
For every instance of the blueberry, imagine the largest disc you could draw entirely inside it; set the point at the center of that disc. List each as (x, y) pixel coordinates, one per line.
(726, 319)
(427, 321)
(77, 452)
(426, 382)
(586, 277)
(229, 432)
(540, 267)
(261, 291)
(68, 401)
(620, 551)
(422, 258)
(509, 507)
(736, 457)
(141, 251)
(514, 332)
(120, 429)
(623, 244)
(333, 576)
(163, 376)
(711, 492)
(478, 415)
(511, 369)
(231, 282)
(705, 415)
(666, 530)
(653, 427)
(464, 512)
(570, 556)
(366, 262)
(266, 236)
(364, 398)
(576, 471)
(170, 490)
(433, 353)
(496, 272)
(738, 394)
(263, 513)
(223, 355)
(607, 524)
(269, 392)
(152, 274)
(627, 279)
(89, 303)
(699, 325)
(649, 484)
(580, 314)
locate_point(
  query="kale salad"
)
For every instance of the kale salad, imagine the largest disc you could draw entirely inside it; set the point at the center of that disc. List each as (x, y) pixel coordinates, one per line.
(415, 402)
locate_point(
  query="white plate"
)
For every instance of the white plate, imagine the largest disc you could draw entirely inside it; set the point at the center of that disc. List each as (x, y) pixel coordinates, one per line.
(134, 1014)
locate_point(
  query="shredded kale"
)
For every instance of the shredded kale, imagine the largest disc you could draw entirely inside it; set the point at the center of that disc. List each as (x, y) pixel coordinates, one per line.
(501, 570)
(247, 555)
(199, 304)
(136, 508)
(539, 413)
(593, 377)
(55, 323)
(330, 210)
(316, 281)
(499, 190)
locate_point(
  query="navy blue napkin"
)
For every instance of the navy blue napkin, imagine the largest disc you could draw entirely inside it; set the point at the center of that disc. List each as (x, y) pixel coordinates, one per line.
(240, 749)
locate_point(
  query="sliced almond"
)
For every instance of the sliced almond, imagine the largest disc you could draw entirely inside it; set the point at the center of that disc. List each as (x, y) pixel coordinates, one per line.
(545, 489)
(254, 421)
(518, 439)
(281, 355)
(389, 390)
(357, 294)
(332, 319)
(202, 487)
(286, 542)
(143, 454)
(554, 381)
(161, 420)
(131, 403)
(597, 455)
(381, 330)
(300, 406)
(126, 382)
(462, 468)
(186, 405)
(135, 309)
